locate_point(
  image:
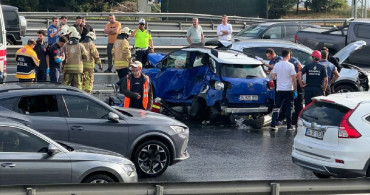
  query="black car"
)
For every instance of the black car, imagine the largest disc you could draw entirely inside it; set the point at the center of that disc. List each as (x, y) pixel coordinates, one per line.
(152, 141)
(273, 30)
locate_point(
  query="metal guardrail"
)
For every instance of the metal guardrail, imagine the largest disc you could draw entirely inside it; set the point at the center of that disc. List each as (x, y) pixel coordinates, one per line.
(12, 49)
(327, 186)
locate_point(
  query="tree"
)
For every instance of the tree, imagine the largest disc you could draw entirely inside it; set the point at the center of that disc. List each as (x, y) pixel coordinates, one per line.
(279, 8)
(325, 5)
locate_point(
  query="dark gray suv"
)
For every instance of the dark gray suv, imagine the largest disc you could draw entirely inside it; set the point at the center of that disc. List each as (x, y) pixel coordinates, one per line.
(152, 141)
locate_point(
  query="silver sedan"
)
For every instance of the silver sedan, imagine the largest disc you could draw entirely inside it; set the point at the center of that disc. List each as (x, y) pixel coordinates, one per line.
(28, 157)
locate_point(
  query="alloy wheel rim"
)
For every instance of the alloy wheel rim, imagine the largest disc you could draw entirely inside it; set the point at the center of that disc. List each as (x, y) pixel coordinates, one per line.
(99, 181)
(152, 159)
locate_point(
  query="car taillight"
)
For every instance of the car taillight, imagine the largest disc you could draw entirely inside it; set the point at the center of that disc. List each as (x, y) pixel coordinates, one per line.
(305, 108)
(270, 84)
(296, 38)
(346, 130)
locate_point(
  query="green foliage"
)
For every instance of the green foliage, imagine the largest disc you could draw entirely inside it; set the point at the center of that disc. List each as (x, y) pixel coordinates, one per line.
(279, 8)
(63, 5)
(325, 5)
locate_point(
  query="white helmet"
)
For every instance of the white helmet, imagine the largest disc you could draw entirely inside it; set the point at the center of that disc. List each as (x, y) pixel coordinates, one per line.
(91, 35)
(64, 31)
(76, 35)
(72, 29)
(126, 30)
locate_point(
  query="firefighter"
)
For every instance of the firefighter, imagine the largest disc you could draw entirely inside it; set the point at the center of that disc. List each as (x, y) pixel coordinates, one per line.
(89, 63)
(73, 67)
(122, 53)
(27, 60)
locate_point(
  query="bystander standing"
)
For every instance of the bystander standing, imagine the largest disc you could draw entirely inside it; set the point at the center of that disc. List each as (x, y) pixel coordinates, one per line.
(42, 54)
(224, 30)
(112, 29)
(53, 31)
(194, 35)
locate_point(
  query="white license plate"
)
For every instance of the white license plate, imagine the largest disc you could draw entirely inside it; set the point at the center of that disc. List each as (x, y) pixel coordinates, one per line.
(314, 133)
(248, 97)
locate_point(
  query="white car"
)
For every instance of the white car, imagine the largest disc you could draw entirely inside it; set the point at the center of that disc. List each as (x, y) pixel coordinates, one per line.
(333, 136)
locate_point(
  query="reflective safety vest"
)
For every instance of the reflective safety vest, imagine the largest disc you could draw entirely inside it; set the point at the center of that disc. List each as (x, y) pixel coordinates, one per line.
(122, 54)
(92, 55)
(74, 55)
(27, 60)
(145, 97)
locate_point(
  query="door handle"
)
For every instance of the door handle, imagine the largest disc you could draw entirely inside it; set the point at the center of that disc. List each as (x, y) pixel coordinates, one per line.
(75, 128)
(11, 165)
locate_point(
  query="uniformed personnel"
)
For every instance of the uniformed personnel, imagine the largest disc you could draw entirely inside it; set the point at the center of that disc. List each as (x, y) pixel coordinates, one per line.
(73, 67)
(143, 42)
(89, 63)
(122, 53)
(27, 60)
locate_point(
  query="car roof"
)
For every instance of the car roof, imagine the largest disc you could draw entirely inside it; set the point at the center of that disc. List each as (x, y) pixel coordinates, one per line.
(226, 56)
(349, 100)
(6, 87)
(8, 8)
(284, 23)
(238, 45)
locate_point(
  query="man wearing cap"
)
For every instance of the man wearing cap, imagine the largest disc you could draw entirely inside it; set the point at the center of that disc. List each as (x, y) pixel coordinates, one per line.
(113, 28)
(143, 42)
(316, 78)
(137, 89)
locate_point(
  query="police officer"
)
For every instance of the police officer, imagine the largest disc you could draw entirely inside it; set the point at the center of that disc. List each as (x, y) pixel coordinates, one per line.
(27, 60)
(122, 54)
(89, 63)
(331, 70)
(143, 42)
(56, 57)
(286, 89)
(73, 67)
(316, 78)
(42, 54)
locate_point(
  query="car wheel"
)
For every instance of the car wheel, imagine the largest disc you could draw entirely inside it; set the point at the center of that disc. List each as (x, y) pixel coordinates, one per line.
(258, 123)
(344, 89)
(151, 158)
(98, 178)
(9, 42)
(197, 110)
(214, 115)
(321, 176)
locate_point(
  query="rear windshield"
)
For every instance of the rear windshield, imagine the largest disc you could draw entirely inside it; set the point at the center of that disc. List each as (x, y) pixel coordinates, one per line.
(324, 114)
(252, 31)
(242, 71)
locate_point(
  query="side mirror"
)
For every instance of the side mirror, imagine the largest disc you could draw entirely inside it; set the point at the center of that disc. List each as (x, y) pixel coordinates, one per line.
(113, 117)
(266, 37)
(52, 150)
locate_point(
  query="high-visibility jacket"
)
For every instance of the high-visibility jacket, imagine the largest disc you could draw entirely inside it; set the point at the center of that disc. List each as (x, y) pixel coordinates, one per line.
(121, 53)
(27, 60)
(92, 55)
(145, 99)
(74, 55)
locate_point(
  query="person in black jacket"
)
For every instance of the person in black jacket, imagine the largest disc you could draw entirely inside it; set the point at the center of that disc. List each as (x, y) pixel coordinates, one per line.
(42, 54)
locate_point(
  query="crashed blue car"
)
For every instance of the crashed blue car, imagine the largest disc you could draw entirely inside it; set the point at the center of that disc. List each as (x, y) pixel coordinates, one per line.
(201, 83)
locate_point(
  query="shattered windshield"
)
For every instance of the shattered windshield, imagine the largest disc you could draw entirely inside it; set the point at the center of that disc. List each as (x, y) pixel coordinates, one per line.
(242, 71)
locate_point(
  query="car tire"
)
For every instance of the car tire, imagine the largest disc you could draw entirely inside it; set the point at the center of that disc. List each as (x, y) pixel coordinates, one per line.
(344, 89)
(9, 42)
(98, 178)
(151, 158)
(214, 115)
(321, 176)
(258, 123)
(197, 111)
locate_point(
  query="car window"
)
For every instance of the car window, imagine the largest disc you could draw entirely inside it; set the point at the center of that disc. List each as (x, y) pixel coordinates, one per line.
(198, 59)
(9, 103)
(324, 114)
(17, 140)
(290, 31)
(41, 105)
(176, 59)
(11, 18)
(250, 52)
(242, 71)
(252, 31)
(261, 51)
(273, 33)
(79, 107)
(303, 57)
(362, 31)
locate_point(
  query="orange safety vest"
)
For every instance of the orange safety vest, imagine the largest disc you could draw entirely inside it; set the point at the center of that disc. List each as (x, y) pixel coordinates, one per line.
(126, 103)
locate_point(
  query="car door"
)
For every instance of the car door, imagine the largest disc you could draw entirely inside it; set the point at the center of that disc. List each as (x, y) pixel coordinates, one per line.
(275, 32)
(42, 113)
(195, 74)
(24, 159)
(88, 124)
(290, 32)
(169, 82)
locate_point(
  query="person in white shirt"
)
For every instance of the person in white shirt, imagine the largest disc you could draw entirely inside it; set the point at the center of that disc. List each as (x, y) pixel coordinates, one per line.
(224, 30)
(286, 90)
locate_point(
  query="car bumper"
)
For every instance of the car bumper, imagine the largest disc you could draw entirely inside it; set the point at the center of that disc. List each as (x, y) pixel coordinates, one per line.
(183, 156)
(337, 172)
(244, 110)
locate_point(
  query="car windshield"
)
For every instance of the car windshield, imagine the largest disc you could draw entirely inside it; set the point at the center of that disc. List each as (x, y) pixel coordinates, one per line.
(242, 71)
(252, 31)
(324, 113)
